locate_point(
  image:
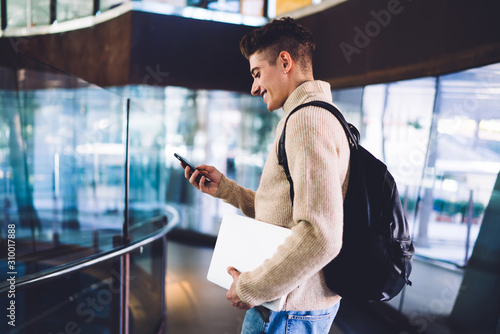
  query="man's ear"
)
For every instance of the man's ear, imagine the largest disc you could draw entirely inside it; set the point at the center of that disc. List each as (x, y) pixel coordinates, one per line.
(286, 61)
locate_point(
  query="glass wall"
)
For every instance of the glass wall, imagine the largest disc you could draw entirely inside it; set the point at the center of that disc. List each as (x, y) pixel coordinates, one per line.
(439, 138)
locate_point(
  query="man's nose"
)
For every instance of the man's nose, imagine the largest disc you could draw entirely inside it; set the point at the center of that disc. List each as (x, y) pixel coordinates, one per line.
(255, 89)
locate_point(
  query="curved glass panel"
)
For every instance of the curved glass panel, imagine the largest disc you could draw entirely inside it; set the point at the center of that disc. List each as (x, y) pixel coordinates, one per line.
(61, 165)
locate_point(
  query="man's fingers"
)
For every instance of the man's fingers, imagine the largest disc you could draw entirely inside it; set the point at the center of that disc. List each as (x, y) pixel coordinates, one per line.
(193, 178)
(202, 183)
(233, 272)
(206, 168)
(190, 174)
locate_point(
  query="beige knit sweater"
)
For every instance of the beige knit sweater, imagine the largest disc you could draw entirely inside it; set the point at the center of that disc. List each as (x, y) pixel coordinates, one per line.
(318, 158)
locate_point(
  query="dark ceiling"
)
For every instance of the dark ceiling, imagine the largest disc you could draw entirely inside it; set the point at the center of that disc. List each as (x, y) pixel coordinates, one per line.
(358, 42)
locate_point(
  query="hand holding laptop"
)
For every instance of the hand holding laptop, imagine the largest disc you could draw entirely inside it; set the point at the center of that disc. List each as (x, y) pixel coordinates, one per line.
(244, 243)
(231, 295)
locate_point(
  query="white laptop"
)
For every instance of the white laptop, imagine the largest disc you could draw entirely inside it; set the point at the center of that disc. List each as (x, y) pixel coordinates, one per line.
(244, 243)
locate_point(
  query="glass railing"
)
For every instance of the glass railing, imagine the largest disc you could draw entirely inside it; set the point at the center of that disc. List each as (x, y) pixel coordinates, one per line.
(62, 163)
(79, 164)
(83, 210)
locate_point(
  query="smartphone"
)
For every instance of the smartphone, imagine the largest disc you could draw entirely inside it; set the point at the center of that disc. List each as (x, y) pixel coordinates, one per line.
(187, 163)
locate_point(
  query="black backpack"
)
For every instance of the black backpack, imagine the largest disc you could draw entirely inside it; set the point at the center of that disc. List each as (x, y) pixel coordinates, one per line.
(376, 256)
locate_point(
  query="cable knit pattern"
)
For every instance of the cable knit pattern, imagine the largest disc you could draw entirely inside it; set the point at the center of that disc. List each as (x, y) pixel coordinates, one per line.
(318, 158)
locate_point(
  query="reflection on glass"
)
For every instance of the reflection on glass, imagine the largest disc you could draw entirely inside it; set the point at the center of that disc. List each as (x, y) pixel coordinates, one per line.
(463, 162)
(147, 287)
(61, 166)
(440, 139)
(445, 182)
(109, 4)
(69, 10)
(83, 302)
(146, 158)
(17, 13)
(350, 103)
(89, 301)
(39, 12)
(28, 13)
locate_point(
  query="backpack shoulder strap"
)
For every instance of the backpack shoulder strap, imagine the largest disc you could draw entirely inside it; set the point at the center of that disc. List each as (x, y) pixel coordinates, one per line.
(350, 131)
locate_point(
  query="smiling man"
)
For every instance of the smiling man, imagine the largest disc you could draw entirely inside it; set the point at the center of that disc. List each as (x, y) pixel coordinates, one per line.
(280, 56)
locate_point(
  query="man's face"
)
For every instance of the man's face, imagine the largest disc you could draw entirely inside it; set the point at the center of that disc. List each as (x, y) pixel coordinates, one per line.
(269, 81)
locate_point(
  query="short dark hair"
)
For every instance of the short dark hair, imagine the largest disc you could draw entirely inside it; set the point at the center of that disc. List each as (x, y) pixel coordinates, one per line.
(280, 35)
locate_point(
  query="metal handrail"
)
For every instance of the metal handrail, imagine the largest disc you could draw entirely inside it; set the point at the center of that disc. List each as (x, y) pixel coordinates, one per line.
(44, 275)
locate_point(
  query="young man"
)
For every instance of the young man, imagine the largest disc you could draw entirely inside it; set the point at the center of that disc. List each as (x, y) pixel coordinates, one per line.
(280, 56)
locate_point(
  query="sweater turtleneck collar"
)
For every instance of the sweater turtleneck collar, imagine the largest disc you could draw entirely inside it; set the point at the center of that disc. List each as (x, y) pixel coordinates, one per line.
(306, 92)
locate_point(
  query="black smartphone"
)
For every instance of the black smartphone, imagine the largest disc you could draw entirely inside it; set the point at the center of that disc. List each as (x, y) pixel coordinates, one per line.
(187, 163)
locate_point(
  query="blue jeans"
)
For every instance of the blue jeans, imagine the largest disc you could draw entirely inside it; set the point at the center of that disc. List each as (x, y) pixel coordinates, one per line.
(290, 322)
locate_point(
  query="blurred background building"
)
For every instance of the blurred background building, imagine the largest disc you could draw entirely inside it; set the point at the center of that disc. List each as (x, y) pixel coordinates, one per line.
(99, 229)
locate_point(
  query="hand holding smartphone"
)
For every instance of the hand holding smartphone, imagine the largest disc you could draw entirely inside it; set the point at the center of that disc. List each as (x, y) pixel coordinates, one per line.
(187, 163)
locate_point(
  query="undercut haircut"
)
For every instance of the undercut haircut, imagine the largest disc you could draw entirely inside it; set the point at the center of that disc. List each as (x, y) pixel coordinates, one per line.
(280, 35)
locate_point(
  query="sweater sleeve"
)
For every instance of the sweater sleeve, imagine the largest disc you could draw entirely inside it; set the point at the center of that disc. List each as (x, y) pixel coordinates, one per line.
(315, 145)
(239, 197)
